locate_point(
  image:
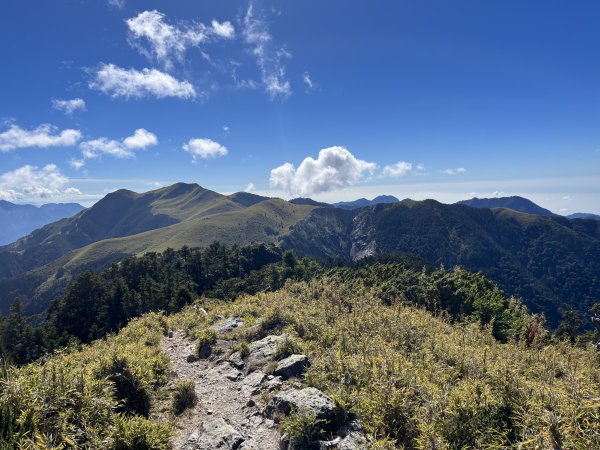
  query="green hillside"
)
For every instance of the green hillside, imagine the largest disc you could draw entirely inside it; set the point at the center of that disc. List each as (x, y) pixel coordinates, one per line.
(266, 221)
(551, 262)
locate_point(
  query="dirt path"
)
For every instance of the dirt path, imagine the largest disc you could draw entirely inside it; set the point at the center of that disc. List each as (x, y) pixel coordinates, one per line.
(227, 415)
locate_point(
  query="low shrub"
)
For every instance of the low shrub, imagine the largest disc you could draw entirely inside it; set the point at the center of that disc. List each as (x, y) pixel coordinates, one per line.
(184, 396)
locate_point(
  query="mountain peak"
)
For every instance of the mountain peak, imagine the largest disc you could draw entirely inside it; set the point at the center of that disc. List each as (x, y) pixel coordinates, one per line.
(514, 202)
(362, 202)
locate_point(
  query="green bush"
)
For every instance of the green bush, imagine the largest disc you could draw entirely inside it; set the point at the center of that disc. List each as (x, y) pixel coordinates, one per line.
(138, 433)
(206, 339)
(184, 396)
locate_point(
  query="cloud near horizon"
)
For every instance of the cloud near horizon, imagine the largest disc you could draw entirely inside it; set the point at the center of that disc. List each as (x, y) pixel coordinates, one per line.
(30, 182)
(43, 136)
(334, 168)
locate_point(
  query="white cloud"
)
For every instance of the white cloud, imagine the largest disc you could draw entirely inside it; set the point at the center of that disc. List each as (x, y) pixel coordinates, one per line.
(498, 194)
(223, 29)
(335, 167)
(31, 182)
(250, 187)
(77, 163)
(269, 61)
(456, 171)
(118, 82)
(140, 140)
(201, 148)
(397, 170)
(117, 3)
(43, 136)
(225, 129)
(308, 81)
(566, 197)
(69, 106)
(168, 42)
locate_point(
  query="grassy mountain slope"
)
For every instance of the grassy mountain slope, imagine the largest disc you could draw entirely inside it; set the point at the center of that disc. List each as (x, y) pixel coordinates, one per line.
(551, 262)
(413, 379)
(121, 213)
(266, 221)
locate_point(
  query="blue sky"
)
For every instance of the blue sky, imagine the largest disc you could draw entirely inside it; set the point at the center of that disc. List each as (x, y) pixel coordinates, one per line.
(329, 99)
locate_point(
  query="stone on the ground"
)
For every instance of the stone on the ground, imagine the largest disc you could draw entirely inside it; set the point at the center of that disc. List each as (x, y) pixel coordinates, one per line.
(217, 434)
(192, 358)
(292, 366)
(264, 349)
(306, 401)
(227, 325)
(251, 384)
(273, 384)
(236, 360)
(224, 371)
(353, 436)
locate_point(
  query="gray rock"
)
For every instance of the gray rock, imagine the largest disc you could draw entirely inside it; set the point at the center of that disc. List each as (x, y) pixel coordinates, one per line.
(218, 434)
(274, 383)
(306, 401)
(251, 384)
(192, 358)
(264, 349)
(224, 371)
(292, 366)
(353, 436)
(236, 360)
(227, 325)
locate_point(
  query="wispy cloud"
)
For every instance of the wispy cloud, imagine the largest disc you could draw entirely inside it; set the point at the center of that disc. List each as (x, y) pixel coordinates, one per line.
(116, 3)
(167, 42)
(455, 171)
(250, 187)
(308, 82)
(31, 182)
(69, 106)
(43, 136)
(125, 148)
(130, 83)
(270, 59)
(201, 148)
(334, 168)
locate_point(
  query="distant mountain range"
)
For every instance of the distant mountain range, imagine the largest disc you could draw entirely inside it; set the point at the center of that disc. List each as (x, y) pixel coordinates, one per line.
(551, 261)
(17, 221)
(515, 203)
(584, 216)
(362, 202)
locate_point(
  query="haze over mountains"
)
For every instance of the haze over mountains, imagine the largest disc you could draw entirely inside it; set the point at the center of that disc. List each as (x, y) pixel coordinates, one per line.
(549, 260)
(19, 220)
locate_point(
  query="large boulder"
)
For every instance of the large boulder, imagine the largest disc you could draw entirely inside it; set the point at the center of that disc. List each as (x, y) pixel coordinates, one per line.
(292, 366)
(308, 401)
(264, 349)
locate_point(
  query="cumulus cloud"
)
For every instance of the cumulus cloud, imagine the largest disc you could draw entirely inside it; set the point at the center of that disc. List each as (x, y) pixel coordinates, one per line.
(140, 140)
(69, 106)
(250, 187)
(130, 83)
(43, 136)
(223, 29)
(269, 59)
(201, 148)
(334, 168)
(166, 41)
(455, 171)
(31, 182)
(397, 170)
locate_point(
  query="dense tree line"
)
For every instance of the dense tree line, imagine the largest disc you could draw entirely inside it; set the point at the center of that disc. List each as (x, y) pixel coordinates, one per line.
(96, 304)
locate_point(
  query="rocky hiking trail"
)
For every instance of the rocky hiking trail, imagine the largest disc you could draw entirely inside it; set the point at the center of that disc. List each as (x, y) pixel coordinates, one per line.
(242, 398)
